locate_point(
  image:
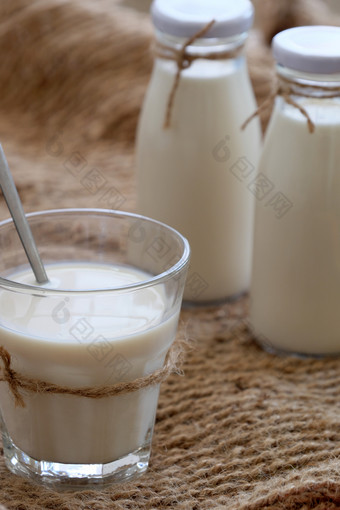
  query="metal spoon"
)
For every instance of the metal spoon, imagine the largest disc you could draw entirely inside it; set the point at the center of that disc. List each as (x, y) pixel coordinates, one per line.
(20, 221)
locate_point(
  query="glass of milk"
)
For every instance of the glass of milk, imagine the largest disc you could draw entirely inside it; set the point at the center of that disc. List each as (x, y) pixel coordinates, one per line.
(108, 315)
(195, 173)
(295, 290)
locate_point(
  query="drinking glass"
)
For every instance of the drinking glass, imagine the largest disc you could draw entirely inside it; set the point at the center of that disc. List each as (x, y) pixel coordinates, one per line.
(108, 315)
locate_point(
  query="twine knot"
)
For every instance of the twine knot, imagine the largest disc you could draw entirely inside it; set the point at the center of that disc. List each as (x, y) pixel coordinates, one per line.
(10, 376)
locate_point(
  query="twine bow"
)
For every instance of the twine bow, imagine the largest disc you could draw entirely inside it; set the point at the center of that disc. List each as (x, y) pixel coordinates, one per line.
(286, 91)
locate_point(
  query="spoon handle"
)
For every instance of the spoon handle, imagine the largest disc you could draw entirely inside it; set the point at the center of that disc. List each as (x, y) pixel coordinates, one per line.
(20, 221)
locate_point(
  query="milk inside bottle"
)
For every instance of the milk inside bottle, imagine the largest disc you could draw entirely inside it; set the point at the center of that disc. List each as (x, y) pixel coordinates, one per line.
(193, 161)
(295, 290)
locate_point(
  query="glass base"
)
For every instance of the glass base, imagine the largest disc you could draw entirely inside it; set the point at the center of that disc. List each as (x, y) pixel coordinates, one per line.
(75, 476)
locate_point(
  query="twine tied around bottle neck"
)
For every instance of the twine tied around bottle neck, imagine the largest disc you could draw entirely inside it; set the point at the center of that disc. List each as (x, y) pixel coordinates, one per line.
(184, 59)
(19, 383)
(286, 90)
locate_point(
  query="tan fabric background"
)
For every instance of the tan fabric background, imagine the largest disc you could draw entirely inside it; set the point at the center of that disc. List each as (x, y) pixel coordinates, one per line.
(242, 429)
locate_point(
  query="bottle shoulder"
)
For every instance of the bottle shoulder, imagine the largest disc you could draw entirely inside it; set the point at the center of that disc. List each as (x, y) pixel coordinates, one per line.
(222, 93)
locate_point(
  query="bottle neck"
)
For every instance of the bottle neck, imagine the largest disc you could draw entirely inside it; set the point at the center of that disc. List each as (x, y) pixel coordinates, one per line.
(203, 47)
(318, 86)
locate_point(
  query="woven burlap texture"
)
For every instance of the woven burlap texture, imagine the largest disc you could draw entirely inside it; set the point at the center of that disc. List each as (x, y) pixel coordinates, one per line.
(241, 429)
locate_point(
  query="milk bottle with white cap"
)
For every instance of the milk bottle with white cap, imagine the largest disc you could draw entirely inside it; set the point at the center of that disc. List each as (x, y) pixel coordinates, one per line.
(295, 290)
(191, 152)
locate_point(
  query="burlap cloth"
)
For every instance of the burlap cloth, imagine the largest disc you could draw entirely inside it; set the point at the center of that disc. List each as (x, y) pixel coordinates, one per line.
(242, 429)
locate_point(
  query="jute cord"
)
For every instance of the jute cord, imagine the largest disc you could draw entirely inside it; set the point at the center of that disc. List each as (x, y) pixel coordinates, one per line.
(286, 91)
(184, 59)
(21, 383)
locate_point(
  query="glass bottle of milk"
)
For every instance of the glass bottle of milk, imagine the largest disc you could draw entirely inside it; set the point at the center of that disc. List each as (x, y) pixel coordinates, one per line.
(295, 290)
(194, 163)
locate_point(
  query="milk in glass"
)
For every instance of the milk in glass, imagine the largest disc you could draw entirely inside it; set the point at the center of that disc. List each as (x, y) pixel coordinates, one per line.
(89, 341)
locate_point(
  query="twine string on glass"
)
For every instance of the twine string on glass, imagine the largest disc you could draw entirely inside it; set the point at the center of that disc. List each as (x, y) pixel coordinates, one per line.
(19, 383)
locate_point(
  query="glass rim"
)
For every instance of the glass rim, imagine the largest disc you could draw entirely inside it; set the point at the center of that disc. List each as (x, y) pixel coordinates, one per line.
(153, 280)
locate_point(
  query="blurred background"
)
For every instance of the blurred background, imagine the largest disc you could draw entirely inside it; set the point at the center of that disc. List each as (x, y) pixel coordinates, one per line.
(73, 74)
